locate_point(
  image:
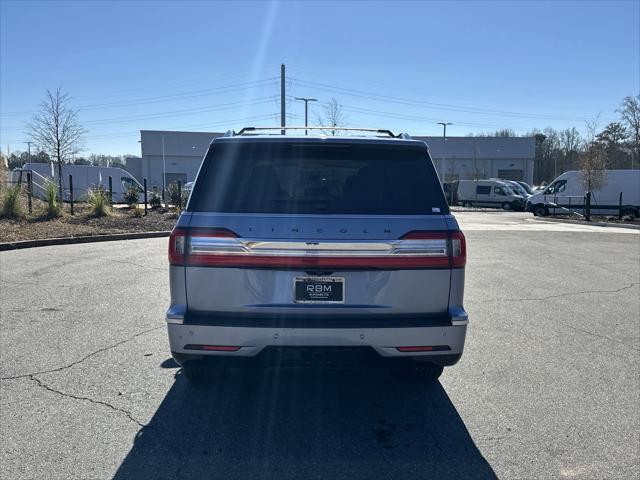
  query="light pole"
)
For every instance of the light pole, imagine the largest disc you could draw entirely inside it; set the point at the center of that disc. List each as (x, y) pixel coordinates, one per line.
(306, 104)
(164, 170)
(444, 140)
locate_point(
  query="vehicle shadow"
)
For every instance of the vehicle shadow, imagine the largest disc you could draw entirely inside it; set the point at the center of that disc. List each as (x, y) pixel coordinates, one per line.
(305, 424)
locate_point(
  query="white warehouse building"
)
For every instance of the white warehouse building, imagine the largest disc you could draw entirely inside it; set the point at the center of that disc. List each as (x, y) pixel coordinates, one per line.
(456, 158)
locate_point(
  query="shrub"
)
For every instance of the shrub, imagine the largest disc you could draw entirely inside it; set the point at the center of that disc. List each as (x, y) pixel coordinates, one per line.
(155, 201)
(54, 207)
(11, 206)
(99, 205)
(136, 210)
(176, 197)
(131, 196)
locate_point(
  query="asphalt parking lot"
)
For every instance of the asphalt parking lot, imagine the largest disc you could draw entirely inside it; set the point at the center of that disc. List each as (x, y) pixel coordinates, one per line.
(548, 387)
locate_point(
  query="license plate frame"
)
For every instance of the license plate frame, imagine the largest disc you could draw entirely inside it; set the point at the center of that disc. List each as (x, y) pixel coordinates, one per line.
(324, 290)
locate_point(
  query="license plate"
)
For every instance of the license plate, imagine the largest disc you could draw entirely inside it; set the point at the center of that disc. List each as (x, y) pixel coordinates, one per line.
(318, 290)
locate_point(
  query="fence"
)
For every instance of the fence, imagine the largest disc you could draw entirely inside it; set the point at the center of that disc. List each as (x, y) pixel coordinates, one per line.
(35, 185)
(570, 204)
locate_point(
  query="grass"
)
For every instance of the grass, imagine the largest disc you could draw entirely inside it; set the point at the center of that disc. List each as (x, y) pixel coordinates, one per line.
(53, 207)
(137, 210)
(11, 206)
(99, 204)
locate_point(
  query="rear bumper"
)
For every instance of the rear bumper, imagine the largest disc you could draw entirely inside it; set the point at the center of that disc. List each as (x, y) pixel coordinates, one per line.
(447, 340)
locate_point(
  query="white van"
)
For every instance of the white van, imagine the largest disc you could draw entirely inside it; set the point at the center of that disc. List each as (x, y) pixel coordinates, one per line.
(515, 186)
(566, 194)
(84, 178)
(489, 193)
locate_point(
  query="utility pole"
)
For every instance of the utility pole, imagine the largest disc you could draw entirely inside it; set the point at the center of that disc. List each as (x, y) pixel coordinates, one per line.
(444, 141)
(306, 112)
(283, 110)
(29, 150)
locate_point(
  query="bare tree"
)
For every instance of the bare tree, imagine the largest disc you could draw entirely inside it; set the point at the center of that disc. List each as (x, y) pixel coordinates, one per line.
(630, 111)
(569, 143)
(547, 154)
(505, 132)
(593, 160)
(55, 129)
(3, 172)
(333, 116)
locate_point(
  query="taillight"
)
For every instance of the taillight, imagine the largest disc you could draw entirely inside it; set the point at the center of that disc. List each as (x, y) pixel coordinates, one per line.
(458, 244)
(177, 246)
(222, 248)
(459, 249)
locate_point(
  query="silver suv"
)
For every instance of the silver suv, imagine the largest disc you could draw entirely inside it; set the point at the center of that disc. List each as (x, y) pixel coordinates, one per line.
(317, 250)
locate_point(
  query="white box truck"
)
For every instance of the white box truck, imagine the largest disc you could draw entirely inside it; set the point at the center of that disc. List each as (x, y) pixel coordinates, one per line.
(566, 194)
(85, 177)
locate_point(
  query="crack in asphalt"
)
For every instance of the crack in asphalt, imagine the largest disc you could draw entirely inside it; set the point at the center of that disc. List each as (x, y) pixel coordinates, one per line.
(567, 294)
(138, 265)
(604, 337)
(125, 262)
(53, 370)
(40, 383)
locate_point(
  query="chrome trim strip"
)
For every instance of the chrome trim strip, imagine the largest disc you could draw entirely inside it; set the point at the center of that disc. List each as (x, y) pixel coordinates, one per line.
(223, 245)
(458, 316)
(176, 313)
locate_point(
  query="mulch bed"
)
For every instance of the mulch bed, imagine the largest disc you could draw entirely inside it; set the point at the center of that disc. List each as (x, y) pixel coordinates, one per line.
(82, 223)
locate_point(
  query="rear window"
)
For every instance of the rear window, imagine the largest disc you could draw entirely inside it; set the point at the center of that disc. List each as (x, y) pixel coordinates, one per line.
(309, 178)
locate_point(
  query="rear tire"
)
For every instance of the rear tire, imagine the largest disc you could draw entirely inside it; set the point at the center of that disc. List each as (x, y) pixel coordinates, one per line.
(540, 211)
(507, 206)
(466, 204)
(427, 372)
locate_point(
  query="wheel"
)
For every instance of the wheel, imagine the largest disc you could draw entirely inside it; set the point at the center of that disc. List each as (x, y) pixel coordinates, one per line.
(196, 371)
(540, 211)
(466, 204)
(427, 372)
(630, 212)
(507, 206)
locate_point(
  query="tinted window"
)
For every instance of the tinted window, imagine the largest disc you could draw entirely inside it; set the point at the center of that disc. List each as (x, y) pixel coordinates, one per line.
(128, 183)
(556, 187)
(483, 190)
(310, 178)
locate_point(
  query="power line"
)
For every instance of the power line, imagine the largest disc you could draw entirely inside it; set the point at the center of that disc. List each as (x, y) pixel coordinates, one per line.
(203, 80)
(189, 111)
(183, 95)
(171, 97)
(200, 125)
(422, 119)
(414, 102)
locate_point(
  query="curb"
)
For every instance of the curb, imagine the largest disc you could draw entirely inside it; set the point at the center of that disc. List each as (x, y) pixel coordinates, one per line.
(45, 242)
(593, 224)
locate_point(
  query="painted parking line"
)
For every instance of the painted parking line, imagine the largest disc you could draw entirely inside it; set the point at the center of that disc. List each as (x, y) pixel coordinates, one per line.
(473, 222)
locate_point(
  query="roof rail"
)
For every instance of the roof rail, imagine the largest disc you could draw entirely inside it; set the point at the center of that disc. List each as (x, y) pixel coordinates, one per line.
(380, 131)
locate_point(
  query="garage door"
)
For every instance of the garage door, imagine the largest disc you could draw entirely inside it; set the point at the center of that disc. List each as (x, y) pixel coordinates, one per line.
(511, 174)
(175, 177)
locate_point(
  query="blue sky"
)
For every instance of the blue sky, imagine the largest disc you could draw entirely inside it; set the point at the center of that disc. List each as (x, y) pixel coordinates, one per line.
(211, 66)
